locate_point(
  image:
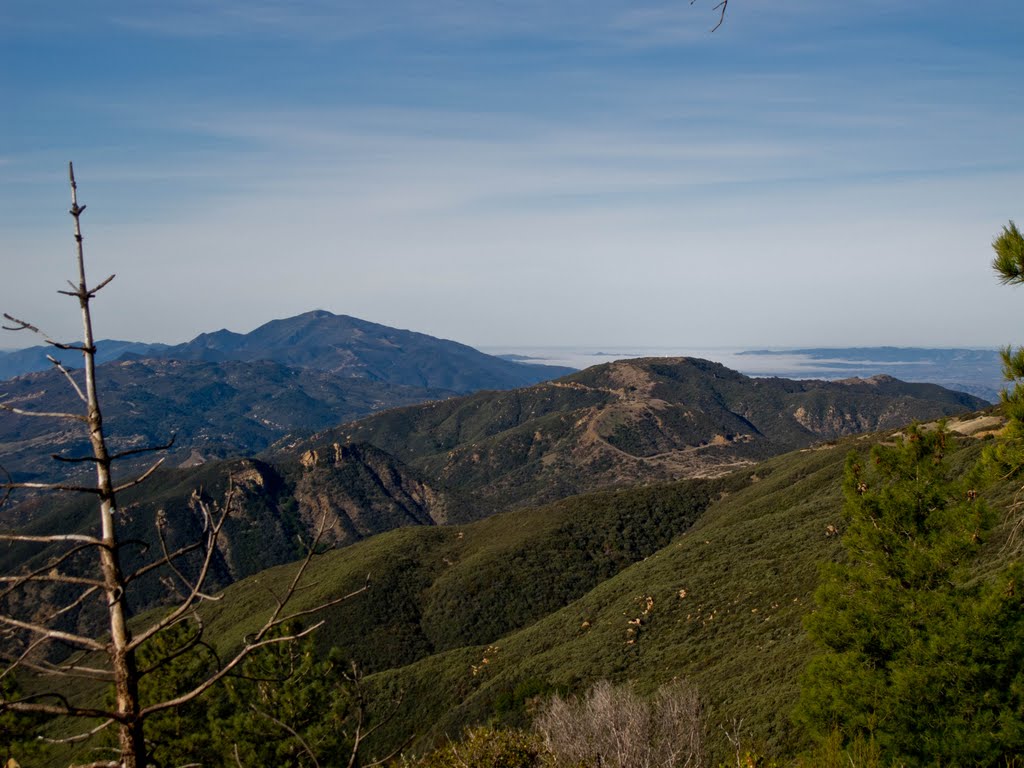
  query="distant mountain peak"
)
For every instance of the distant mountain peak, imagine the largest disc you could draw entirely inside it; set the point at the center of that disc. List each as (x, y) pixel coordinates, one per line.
(351, 347)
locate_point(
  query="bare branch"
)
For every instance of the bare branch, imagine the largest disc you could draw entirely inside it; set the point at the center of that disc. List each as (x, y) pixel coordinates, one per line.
(169, 558)
(80, 737)
(67, 637)
(72, 347)
(54, 538)
(721, 18)
(388, 716)
(28, 705)
(391, 755)
(359, 735)
(67, 374)
(195, 641)
(723, 5)
(24, 655)
(78, 601)
(70, 669)
(58, 578)
(163, 561)
(84, 673)
(141, 478)
(195, 589)
(259, 640)
(262, 638)
(148, 449)
(6, 487)
(44, 414)
(323, 606)
(21, 325)
(220, 674)
(105, 283)
(73, 459)
(52, 487)
(42, 571)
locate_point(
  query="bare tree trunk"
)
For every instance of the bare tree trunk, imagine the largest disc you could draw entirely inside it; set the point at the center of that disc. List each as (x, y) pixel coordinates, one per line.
(122, 655)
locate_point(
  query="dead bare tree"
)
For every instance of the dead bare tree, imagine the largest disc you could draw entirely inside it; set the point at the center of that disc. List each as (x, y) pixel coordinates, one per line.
(614, 727)
(87, 568)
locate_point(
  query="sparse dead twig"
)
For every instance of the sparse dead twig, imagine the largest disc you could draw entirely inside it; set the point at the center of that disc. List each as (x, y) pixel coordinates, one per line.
(720, 7)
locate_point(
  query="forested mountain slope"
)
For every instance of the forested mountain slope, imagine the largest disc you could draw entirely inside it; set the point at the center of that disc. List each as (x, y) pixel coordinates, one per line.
(470, 621)
(654, 419)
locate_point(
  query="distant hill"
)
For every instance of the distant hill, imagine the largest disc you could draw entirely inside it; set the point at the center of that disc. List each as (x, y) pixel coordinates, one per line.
(213, 409)
(977, 371)
(21, 361)
(643, 420)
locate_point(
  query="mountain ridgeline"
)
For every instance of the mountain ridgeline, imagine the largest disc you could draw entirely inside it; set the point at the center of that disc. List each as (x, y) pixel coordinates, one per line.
(344, 346)
(465, 458)
(646, 420)
(227, 394)
(347, 346)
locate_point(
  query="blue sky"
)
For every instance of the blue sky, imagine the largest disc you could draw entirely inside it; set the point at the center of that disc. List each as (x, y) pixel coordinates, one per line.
(519, 173)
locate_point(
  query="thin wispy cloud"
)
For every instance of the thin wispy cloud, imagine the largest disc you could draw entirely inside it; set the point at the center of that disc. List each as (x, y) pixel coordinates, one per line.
(435, 165)
(567, 20)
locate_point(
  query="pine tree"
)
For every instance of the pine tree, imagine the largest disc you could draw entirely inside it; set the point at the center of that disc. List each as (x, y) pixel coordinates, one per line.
(1008, 264)
(921, 660)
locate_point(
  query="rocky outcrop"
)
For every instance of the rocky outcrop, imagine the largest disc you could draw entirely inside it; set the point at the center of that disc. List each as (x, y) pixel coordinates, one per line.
(358, 490)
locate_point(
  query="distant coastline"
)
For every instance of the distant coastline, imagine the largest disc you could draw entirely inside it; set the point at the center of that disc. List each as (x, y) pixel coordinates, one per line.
(977, 371)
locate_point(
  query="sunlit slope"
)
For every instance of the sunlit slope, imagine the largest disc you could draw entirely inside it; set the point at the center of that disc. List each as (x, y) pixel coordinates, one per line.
(437, 588)
(722, 605)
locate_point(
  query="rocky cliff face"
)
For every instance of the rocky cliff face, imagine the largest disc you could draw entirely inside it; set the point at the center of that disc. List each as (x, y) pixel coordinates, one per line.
(358, 490)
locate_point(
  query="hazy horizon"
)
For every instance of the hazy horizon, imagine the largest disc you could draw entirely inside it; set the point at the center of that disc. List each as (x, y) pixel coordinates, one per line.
(9, 343)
